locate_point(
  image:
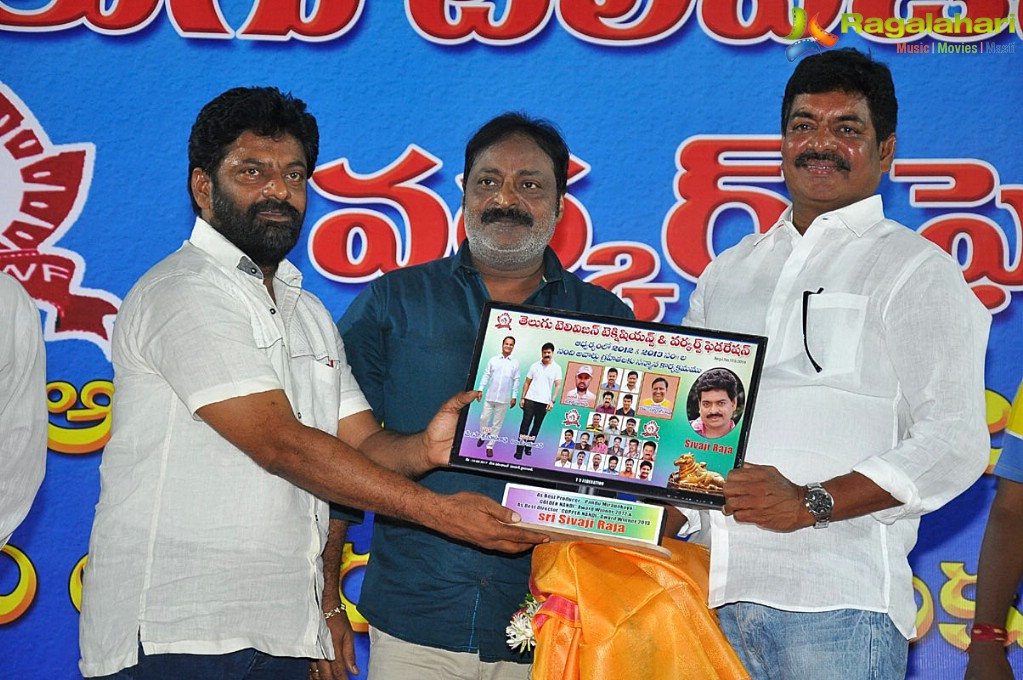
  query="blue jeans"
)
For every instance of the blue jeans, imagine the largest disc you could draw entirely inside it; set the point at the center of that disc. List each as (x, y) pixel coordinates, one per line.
(247, 664)
(846, 644)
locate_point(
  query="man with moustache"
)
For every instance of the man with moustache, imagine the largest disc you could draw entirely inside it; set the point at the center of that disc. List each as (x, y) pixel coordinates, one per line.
(236, 419)
(612, 426)
(580, 461)
(874, 327)
(515, 178)
(500, 384)
(646, 469)
(716, 394)
(584, 441)
(581, 395)
(657, 404)
(649, 451)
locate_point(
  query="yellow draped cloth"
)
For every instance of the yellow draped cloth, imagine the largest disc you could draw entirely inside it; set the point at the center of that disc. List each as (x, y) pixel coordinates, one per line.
(614, 614)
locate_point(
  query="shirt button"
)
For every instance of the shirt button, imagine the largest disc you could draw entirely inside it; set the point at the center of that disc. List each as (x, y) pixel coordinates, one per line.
(483, 583)
(299, 415)
(273, 311)
(253, 270)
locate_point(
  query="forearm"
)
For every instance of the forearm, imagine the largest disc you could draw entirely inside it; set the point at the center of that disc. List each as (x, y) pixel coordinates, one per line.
(761, 495)
(405, 454)
(1000, 566)
(333, 554)
(856, 495)
(335, 471)
(316, 461)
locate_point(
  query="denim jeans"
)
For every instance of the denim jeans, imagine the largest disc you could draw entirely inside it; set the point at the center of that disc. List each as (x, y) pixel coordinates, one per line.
(246, 664)
(845, 644)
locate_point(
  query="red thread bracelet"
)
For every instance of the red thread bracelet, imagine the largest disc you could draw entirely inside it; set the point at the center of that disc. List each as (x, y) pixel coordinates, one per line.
(984, 632)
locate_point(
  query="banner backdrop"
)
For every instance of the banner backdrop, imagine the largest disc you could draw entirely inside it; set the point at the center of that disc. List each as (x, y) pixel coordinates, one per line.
(671, 111)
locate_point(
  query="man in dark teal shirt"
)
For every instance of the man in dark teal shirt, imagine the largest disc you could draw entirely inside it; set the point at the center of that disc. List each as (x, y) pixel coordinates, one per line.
(409, 337)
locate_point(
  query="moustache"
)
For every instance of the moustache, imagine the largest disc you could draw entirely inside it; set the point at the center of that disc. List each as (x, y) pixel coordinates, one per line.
(274, 205)
(506, 215)
(829, 156)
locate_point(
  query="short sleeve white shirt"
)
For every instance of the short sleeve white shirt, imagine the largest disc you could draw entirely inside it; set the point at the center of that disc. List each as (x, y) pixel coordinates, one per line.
(541, 388)
(195, 548)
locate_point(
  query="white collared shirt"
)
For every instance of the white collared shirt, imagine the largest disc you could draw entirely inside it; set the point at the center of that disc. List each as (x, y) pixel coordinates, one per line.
(195, 547)
(900, 340)
(502, 377)
(24, 415)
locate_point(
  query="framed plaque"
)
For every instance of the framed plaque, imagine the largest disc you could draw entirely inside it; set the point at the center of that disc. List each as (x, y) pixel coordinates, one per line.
(652, 410)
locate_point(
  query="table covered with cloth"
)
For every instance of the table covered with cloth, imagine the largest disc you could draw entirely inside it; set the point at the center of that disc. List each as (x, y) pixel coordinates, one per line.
(616, 614)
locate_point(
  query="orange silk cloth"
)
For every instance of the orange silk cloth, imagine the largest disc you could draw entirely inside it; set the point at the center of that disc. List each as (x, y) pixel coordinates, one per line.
(614, 614)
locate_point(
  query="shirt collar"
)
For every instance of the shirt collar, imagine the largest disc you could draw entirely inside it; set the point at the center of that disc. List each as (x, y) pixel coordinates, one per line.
(229, 256)
(552, 268)
(859, 218)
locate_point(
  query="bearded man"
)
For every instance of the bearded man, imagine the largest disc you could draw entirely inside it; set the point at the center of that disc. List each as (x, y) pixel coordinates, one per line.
(236, 419)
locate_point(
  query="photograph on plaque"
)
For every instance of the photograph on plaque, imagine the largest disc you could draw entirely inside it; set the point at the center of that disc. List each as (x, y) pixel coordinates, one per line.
(648, 409)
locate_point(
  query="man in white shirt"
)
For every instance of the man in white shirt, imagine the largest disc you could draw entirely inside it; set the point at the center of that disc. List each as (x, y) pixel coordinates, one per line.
(500, 384)
(236, 419)
(580, 461)
(564, 459)
(24, 415)
(870, 410)
(543, 381)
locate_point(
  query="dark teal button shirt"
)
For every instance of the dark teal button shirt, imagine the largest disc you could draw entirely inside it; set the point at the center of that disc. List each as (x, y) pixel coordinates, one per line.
(409, 337)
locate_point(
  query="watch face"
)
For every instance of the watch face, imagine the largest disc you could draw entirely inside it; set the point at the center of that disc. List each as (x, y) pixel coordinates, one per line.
(819, 502)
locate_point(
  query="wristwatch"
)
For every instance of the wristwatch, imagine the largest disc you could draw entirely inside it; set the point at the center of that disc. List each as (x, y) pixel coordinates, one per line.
(819, 503)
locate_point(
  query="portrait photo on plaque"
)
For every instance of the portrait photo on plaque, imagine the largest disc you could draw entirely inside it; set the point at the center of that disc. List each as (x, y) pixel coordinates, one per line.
(648, 409)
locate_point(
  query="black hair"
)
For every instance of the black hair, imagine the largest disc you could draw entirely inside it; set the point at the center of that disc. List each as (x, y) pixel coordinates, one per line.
(540, 131)
(547, 346)
(717, 379)
(265, 111)
(661, 380)
(851, 71)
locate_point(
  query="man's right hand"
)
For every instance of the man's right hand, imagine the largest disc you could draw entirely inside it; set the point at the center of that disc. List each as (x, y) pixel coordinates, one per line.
(482, 521)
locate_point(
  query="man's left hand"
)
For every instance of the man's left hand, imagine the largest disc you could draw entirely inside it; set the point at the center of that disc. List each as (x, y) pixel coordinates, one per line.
(439, 435)
(343, 637)
(761, 495)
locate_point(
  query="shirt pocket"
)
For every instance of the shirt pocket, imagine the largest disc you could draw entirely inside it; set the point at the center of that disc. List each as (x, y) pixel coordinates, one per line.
(834, 330)
(316, 378)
